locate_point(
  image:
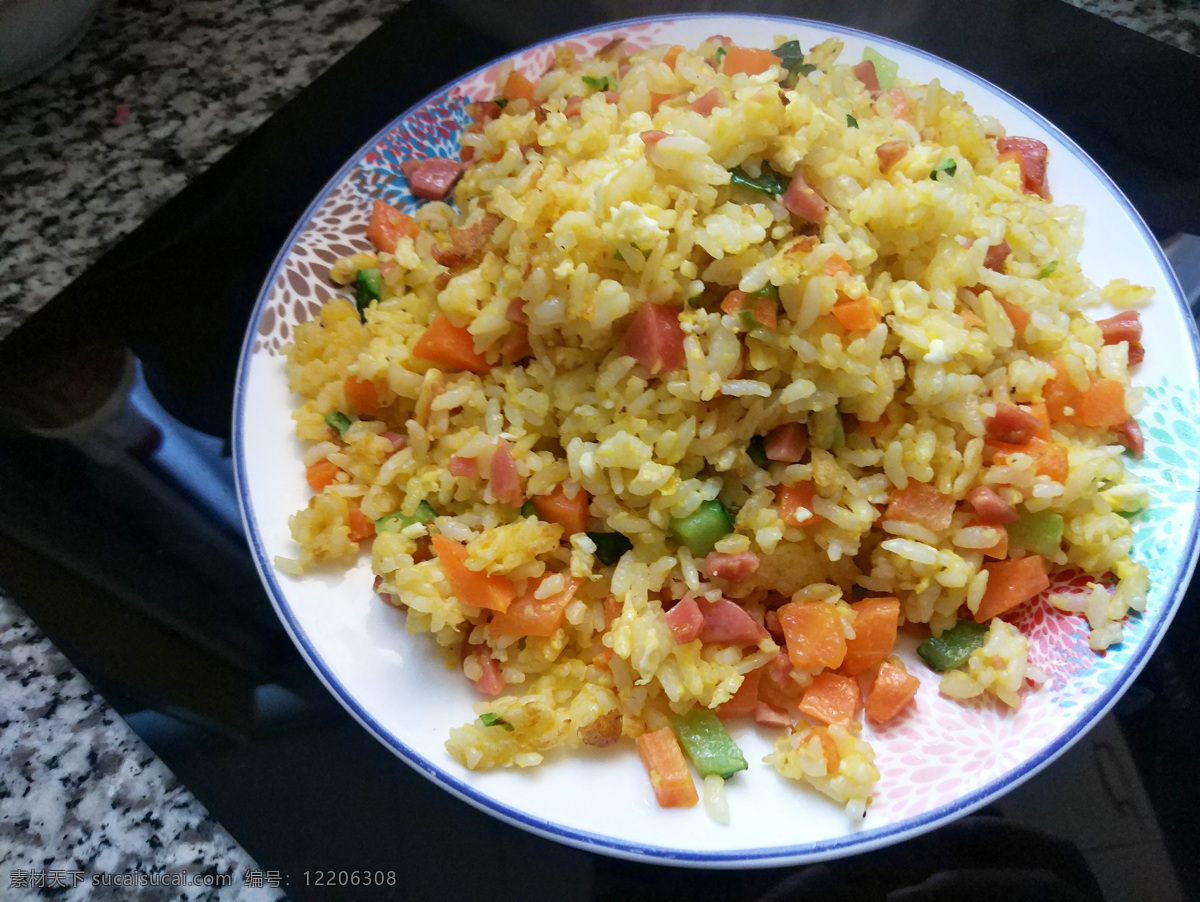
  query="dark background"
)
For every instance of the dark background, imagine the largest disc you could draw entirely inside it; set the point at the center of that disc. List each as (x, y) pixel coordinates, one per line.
(138, 576)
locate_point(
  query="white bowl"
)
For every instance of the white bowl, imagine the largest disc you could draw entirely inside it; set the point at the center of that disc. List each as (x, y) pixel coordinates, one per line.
(36, 34)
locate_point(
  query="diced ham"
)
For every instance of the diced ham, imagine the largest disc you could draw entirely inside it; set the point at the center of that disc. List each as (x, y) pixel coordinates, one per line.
(399, 442)
(803, 201)
(786, 443)
(990, 508)
(490, 680)
(1032, 155)
(900, 107)
(515, 345)
(573, 107)
(728, 623)
(463, 466)
(651, 137)
(771, 622)
(865, 72)
(685, 621)
(1125, 326)
(1130, 435)
(516, 311)
(706, 104)
(719, 39)
(466, 245)
(612, 97)
(483, 112)
(770, 716)
(655, 338)
(503, 478)
(996, 255)
(890, 153)
(432, 178)
(733, 567)
(1012, 425)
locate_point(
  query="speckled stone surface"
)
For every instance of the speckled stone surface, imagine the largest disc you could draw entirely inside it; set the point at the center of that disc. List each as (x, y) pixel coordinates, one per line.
(155, 93)
(1175, 22)
(82, 798)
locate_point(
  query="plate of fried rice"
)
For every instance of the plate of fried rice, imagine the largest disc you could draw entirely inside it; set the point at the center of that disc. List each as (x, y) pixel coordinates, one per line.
(722, 440)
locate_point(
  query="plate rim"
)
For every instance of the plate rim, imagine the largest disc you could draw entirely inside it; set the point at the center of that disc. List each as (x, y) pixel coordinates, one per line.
(851, 843)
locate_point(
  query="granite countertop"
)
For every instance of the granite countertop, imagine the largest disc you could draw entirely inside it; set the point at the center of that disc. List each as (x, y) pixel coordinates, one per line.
(157, 91)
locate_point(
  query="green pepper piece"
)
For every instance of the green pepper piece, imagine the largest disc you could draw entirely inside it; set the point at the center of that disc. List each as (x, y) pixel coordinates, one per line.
(1040, 533)
(370, 288)
(528, 510)
(701, 530)
(705, 741)
(885, 70)
(768, 182)
(610, 546)
(339, 421)
(423, 514)
(953, 647)
(757, 449)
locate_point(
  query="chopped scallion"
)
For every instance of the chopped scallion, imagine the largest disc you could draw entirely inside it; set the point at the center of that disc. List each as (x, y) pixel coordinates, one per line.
(610, 546)
(339, 421)
(947, 166)
(851, 122)
(370, 288)
(495, 720)
(768, 182)
(604, 83)
(757, 451)
(1048, 269)
(423, 514)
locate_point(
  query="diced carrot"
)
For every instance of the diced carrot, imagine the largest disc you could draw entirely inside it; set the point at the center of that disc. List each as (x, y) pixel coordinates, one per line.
(361, 526)
(836, 264)
(813, 634)
(874, 634)
(1103, 404)
(450, 345)
(831, 698)
(669, 774)
(612, 609)
(1018, 317)
(657, 100)
(1049, 458)
(829, 749)
(999, 551)
(749, 60)
(921, 503)
(790, 498)
(388, 225)
(891, 692)
(873, 428)
(970, 320)
(1039, 411)
(532, 616)
(321, 474)
(473, 587)
(1011, 583)
(363, 395)
(745, 700)
(569, 513)
(518, 87)
(734, 302)
(1060, 393)
(765, 313)
(672, 55)
(855, 314)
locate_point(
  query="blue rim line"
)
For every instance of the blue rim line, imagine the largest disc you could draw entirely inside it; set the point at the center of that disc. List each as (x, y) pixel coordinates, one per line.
(825, 849)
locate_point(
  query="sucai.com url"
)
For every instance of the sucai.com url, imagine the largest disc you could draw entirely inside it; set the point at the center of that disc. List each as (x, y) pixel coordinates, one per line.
(63, 878)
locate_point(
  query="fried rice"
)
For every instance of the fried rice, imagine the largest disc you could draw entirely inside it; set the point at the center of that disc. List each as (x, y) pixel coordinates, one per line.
(809, 297)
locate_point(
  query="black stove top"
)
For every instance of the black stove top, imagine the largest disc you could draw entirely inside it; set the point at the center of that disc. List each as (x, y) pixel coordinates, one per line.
(124, 542)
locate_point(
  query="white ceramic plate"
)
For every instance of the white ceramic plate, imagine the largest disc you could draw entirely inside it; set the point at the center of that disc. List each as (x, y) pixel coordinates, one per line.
(938, 764)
